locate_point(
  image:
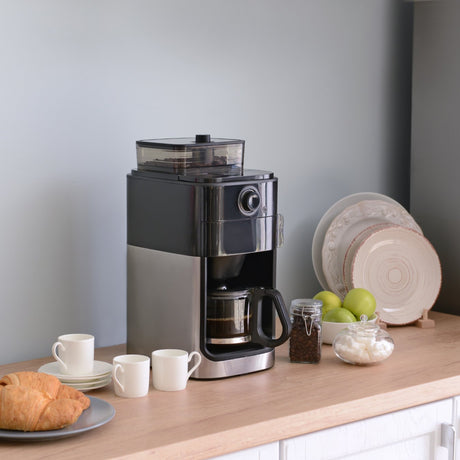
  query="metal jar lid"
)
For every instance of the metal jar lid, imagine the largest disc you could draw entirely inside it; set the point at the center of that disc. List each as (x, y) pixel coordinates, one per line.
(300, 307)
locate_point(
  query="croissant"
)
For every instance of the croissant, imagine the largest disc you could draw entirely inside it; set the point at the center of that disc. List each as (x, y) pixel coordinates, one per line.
(48, 384)
(32, 401)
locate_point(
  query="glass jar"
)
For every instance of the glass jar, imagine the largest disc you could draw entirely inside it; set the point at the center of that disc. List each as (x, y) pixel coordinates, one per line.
(363, 343)
(305, 342)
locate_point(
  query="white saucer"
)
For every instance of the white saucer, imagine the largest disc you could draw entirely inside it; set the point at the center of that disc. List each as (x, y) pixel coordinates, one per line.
(105, 379)
(93, 385)
(325, 222)
(101, 369)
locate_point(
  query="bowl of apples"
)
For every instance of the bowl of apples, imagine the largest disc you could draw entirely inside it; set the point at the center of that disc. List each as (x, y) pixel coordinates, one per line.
(358, 305)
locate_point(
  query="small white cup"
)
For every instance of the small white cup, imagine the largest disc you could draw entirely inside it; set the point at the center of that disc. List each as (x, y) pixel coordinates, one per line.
(170, 368)
(74, 354)
(131, 375)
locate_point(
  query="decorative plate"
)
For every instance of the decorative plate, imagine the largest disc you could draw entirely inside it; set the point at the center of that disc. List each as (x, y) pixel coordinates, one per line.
(325, 222)
(351, 250)
(402, 270)
(347, 225)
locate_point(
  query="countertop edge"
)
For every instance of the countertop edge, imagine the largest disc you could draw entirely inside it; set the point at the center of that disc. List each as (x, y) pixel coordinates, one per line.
(277, 429)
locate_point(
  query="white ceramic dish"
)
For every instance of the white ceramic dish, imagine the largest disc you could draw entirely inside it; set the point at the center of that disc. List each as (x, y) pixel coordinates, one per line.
(401, 269)
(98, 413)
(325, 222)
(330, 330)
(350, 223)
(93, 385)
(101, 369)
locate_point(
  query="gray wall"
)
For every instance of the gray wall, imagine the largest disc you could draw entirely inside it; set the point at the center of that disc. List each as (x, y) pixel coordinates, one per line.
(320, 91)
(435, 177)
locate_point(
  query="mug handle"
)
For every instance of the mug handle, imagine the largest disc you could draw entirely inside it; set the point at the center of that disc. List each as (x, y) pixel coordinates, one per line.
(117, 367)
(54, 349)
(257, 333)
(198, 362)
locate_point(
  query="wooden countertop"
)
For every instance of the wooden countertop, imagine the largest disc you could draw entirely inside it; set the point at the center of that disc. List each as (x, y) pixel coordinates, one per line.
(211, 418)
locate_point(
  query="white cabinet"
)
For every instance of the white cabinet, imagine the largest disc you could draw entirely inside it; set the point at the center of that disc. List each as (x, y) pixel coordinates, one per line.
(456, 423)
(410, 434)
(265, 452)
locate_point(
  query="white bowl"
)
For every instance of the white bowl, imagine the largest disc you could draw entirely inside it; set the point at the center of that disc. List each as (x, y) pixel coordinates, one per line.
(330, 330)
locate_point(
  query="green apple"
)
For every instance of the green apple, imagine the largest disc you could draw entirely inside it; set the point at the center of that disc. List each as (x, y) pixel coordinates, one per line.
(328, 308)
(330, 300)
(339, 315)
(360, 302)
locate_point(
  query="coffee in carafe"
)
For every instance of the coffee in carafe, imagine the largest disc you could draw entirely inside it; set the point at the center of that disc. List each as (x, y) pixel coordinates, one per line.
(228, 317)
(235, 317)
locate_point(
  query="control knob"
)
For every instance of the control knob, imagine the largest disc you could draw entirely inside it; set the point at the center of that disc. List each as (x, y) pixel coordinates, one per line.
(249, 201)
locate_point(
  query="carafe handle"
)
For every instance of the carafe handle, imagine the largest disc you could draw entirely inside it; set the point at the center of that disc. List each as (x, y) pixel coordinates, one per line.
(257, 333)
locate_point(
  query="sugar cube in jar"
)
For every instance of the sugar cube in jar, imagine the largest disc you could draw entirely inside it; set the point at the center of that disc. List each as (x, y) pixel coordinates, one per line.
(363, 343)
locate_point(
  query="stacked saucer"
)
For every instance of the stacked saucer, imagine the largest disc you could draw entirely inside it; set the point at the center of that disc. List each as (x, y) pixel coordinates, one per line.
(100, 377)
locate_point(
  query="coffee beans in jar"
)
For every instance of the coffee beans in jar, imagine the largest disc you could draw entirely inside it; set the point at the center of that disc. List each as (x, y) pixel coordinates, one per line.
(305, 341)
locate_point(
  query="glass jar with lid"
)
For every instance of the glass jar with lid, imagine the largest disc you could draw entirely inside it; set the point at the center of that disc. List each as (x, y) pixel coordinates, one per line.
(305, 341)
(363, 343)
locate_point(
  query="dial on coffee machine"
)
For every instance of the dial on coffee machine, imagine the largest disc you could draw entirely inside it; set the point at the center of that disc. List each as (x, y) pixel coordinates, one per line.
(202, 240)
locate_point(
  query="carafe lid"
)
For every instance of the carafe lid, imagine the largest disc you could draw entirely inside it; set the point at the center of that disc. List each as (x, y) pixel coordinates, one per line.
(226, 294)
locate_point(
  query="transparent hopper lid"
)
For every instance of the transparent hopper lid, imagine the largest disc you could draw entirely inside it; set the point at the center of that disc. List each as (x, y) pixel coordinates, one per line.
(191, 156)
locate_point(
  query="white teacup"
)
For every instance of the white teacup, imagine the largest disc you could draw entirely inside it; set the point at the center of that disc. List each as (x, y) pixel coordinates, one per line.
(170, 368)
(131, 375)
(74, 354)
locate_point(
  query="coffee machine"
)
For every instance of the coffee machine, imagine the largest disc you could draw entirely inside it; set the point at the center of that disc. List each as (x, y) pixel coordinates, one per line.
(202, 238)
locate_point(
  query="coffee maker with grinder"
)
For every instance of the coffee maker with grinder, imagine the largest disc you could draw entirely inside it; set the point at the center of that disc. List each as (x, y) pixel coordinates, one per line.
(201, 260)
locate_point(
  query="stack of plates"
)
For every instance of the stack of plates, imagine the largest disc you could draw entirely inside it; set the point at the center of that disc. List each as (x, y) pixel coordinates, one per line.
(100, 377)
(369, 240)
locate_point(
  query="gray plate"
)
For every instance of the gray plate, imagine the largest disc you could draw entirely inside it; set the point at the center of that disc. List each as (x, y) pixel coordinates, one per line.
(99, 413)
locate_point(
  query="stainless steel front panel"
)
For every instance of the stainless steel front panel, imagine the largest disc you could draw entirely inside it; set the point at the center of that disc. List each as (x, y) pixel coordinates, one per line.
(231, 367)
(163, 300)
(163, 311)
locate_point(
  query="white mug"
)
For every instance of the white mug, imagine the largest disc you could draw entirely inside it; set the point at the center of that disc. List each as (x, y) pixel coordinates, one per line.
(131, 375)
(74, 354)
(170, 368)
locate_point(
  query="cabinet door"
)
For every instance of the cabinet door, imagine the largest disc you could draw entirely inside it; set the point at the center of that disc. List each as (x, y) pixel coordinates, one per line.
(265, 452)
(410, 434)
(456, 422)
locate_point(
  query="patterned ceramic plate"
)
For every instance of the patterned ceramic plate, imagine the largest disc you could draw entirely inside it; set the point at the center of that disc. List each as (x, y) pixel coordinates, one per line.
(402, 269)
(325, 222)
(350, 223)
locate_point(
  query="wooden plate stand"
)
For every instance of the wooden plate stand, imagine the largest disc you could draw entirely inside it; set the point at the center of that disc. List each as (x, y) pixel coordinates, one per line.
(424, 322)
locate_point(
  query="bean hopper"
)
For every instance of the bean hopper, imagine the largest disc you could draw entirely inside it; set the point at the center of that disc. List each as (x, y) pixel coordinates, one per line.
(202, 239)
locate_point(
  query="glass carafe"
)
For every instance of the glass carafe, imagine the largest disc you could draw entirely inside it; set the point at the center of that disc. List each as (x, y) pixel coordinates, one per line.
(235, 317)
